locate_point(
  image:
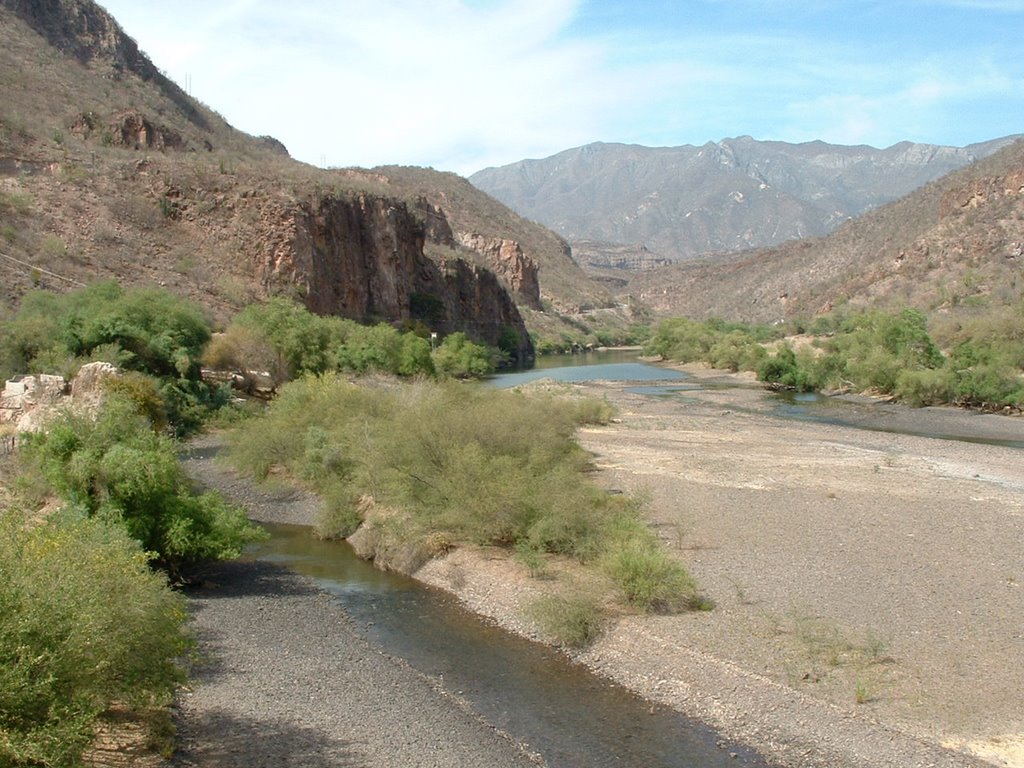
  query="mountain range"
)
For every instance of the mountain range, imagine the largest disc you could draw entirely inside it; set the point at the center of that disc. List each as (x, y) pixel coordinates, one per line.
(679, 203)
(110, 170)
(953, 248)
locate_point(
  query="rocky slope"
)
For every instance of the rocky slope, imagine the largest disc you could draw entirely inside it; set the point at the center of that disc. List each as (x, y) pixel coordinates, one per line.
(953, 248)
(108, 169)
(683, 202)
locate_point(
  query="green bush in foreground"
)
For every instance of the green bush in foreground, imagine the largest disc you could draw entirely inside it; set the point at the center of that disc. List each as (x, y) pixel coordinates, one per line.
(117, 468)
(84, 622)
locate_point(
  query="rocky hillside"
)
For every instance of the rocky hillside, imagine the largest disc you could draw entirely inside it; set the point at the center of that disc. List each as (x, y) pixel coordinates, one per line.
(108, 169)
(684, 202)
(953, 248)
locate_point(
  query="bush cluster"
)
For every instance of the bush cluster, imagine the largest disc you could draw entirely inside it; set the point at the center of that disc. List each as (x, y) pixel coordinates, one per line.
(885, 352)
(458, 463)
(116, 467)
(145, 330)
(285, 340)
(85, 623)
(895, 354)
(580, 335)
(730, 346)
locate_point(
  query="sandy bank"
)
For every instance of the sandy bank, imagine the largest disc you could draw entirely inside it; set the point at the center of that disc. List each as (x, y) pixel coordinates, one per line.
(867, 584)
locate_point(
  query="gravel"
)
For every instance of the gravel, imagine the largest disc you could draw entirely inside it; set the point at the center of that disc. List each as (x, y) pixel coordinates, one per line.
(867, 590)
(284, 679)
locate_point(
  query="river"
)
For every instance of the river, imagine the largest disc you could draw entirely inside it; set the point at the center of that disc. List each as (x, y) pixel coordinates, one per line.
(563, 712)
(569, 716)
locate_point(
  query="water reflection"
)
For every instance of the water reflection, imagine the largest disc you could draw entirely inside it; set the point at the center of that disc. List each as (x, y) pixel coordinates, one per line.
(607, 365)
(561, 710)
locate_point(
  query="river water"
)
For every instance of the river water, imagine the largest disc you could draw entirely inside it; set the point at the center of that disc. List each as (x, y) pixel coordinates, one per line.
(558, 709)
(568, 716)
(562, 712)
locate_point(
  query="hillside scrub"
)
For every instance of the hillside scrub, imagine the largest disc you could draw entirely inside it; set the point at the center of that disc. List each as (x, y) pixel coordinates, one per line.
(85, 623)
(117, 468)
(286, 340)
(422, 467)
(873, 351)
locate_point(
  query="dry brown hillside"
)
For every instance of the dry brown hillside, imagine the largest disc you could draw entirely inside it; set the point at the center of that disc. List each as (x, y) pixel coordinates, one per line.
(108, 169)
(955, 246)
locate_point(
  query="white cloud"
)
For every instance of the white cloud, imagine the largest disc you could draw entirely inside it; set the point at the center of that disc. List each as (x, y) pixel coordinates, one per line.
(452, 83)
(463, 84)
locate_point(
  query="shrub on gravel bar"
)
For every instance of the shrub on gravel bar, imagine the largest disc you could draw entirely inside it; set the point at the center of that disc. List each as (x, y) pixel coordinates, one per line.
(466, 463)
(84, 622)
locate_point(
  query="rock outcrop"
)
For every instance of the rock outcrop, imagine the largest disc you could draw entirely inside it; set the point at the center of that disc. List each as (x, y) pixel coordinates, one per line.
(129, 129)
(507, 260)
(28, 401)
(362, 257)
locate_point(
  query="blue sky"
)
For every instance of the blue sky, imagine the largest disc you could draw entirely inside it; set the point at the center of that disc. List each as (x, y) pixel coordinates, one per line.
(460, 85)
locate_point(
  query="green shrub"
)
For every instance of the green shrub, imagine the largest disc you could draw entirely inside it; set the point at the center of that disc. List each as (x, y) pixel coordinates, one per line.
(650, 579)
(85, 622)
(145, 330)
(784, 369)
(458, 357)
(455, 462)
(116, 467)
(575, 622)
(924, 387)
(287, 341)
(733, 346)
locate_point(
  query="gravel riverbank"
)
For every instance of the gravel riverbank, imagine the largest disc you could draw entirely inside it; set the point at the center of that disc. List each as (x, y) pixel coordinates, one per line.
(866, 587)
(284, 679)
(867, 584)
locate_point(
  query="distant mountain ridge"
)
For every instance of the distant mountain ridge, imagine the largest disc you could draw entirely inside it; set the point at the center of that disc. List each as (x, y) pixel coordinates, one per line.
(735, 194)
(953, 248)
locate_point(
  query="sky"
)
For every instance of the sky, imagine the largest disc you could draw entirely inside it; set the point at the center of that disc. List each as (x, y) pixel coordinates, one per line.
(461, 85)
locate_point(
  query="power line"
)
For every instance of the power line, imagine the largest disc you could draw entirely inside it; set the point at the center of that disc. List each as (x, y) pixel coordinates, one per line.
(41, 270)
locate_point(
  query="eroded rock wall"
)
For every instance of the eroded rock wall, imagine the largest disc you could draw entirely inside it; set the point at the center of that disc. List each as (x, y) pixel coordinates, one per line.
(362, 257)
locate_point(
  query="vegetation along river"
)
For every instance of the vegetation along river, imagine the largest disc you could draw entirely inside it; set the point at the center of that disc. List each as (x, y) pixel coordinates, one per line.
(559, 710)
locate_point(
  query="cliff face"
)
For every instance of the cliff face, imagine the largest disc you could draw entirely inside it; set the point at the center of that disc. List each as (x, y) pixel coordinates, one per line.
(506, 259)
(362, 257)
(133, 179)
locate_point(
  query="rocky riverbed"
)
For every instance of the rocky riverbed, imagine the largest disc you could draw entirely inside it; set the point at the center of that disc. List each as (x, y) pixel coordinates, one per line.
(285, 679)
(866, 586)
